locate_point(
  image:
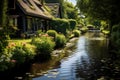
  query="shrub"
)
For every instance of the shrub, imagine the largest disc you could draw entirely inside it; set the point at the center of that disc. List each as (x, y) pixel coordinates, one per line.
(72, 24)
(60, 25)
(76, 33)
(52, 33)
(22, 53)
(115, 33)
(44, 46)
(83, 30)
(60, 40)
(18, 54)
(115, 39)
(5, 61)
(3, 41)
(29, 52)
(39, 33)
(116, 28)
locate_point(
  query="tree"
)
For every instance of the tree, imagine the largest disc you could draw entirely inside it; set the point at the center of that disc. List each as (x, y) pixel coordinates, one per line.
(107, 10)
(3, 25)
(103, 9)
(71, 10)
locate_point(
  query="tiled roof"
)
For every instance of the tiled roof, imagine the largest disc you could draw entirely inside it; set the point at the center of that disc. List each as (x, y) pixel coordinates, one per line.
(54, 9)
(33, 8)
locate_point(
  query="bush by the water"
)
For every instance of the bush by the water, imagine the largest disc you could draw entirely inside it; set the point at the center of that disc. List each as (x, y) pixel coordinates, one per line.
(52, 33)
(15, 54)
(73, 24)
(60, 40)
(22, 53)
(5, 61)
(76, 33)
(44, 46)
(83, 30)
(115, 39)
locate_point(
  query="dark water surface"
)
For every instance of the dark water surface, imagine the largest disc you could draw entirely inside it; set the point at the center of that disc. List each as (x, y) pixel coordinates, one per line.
(89, 61)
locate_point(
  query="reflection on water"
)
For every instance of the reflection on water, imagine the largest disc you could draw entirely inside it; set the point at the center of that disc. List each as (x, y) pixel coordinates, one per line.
(85, 63)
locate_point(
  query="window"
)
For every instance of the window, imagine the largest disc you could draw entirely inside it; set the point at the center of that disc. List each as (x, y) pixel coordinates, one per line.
(13, 21)
(29, 24)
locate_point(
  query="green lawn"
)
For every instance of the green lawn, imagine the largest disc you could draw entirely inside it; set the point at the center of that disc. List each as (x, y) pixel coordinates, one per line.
(21, 41)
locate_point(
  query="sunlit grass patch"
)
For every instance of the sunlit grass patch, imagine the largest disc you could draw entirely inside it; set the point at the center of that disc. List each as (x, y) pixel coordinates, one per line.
(18, 41)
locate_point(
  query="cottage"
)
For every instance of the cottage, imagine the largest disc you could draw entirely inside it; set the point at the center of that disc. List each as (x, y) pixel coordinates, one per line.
(28, 16)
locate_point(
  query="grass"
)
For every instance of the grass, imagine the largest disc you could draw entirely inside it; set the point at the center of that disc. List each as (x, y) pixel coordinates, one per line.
(21, 41)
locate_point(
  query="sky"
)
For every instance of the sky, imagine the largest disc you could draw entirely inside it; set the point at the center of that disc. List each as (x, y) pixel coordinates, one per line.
(73, 1)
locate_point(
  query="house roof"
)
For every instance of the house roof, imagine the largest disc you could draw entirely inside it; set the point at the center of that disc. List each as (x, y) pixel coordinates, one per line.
(55, 9)
(33, 8)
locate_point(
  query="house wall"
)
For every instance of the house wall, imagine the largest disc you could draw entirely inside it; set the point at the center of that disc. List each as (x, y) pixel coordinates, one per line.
(28, 23)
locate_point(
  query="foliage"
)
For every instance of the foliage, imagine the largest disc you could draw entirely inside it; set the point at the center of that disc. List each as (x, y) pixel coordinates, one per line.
(115, 36)
(39, 32)
(52, 33)
(3, 41)
(5, 61)
(60, 25)
(29, 52)
(76, 33)
(15, 54)
(83, 29)
(73, 24)
(18, 54)
(3, 29)
(60, 41)
(0, 12)
(71, 10)
(44, 46)
(22, 53)
(104, 25)
(106, 32)
(115, 40)
(104, 9)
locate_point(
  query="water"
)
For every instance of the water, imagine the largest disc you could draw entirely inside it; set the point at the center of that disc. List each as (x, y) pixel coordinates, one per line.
(85, 62)
(90, 60)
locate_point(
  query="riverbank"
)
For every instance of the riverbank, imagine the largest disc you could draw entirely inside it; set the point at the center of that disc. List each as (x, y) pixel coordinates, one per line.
(36, 68)
(89, 61)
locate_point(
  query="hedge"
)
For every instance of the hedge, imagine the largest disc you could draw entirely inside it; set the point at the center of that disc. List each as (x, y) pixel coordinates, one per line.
(73, 24)
(60, 25)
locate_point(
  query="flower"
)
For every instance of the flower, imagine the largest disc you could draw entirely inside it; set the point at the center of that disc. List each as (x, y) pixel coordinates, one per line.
(45, 35)
(13, 61)
(13, 44)
(23, 43)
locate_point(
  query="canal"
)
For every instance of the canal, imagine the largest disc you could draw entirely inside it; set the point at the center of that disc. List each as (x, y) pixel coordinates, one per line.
(89, 60)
